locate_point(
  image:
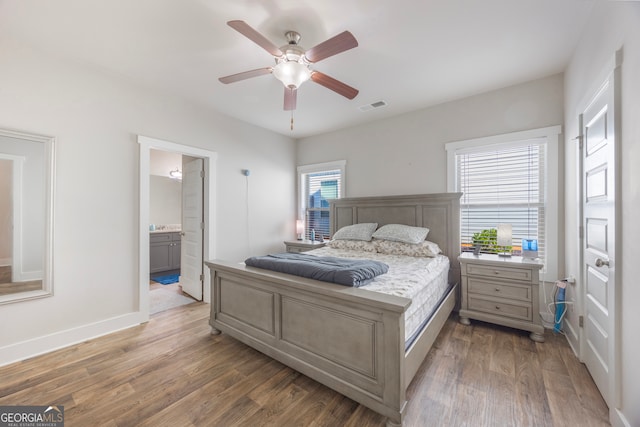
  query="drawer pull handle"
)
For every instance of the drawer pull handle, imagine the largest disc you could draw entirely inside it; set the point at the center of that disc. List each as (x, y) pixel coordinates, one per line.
(497, 289)
(497, 307)
(496, 272)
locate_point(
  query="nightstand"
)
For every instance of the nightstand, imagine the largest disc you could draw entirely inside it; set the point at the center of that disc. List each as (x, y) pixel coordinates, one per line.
(501, 290)
(302, 245)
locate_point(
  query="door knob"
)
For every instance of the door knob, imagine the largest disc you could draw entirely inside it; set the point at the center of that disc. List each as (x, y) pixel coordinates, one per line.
(182, 233)
(601, 262)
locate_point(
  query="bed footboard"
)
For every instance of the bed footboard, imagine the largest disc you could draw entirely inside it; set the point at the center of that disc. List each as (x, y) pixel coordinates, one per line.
(348, 339)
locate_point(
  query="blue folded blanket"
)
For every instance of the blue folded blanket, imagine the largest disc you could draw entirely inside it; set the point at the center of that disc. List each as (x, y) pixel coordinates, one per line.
(348, 272)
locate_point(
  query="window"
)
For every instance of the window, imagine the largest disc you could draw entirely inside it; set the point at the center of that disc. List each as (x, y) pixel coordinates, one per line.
(319, 184)
(502, 185)
(504, 180)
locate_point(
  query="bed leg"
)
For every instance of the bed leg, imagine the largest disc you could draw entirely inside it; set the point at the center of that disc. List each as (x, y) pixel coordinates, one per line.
(537, 337)
(215, 331)
(465, 321)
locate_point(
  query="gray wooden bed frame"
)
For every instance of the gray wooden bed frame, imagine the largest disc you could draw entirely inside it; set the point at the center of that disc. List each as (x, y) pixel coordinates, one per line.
(349, 339)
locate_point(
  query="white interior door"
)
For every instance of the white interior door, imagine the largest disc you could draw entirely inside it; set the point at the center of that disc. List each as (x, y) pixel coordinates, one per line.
(599, 213)
(191, 256)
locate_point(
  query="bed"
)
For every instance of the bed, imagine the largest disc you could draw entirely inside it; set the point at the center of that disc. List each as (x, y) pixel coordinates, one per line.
(350, 339)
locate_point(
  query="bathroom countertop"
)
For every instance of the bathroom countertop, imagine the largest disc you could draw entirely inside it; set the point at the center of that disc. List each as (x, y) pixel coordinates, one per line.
(173, 228)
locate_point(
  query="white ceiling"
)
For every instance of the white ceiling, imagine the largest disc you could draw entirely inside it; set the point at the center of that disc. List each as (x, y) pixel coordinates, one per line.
(412, 53)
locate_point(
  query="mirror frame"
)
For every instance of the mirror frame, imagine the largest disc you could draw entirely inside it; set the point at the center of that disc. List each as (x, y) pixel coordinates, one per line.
(49, 157)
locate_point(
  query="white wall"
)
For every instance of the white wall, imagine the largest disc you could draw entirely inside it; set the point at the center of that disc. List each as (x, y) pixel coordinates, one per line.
(612, 25)
(162, 162)
(165, 193)
(406, 154)
(165, 200)
(96, 119)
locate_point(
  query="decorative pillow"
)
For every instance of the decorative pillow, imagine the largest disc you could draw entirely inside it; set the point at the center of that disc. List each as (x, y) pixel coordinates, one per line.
(356, 232)
(401, 233)
(354, 245)
(422, 249)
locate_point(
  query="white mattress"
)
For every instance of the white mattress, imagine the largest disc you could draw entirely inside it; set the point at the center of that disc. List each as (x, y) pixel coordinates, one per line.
(423, 280)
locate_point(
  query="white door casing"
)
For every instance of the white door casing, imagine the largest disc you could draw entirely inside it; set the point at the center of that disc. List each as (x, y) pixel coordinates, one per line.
(599, 349)
(209, 248)
(191, 260)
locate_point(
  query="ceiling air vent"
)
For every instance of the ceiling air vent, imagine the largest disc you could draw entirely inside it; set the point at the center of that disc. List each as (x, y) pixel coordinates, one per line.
(372, 106)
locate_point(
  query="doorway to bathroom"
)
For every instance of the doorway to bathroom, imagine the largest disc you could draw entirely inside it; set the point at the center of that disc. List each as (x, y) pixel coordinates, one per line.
(176, 223)
(166, 234)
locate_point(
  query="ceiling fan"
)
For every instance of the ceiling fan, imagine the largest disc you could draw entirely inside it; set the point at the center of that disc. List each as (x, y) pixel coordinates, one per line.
(293, 62)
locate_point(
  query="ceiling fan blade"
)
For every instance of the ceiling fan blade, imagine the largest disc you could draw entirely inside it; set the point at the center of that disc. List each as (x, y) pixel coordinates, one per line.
(245, 75)
(290, 98)
(333, 46)
(244, 29)
(335, 85)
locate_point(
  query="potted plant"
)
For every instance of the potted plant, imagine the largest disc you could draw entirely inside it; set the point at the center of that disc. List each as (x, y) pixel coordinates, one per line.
(487, 240)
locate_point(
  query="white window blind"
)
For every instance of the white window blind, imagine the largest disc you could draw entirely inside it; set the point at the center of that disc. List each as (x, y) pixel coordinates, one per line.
(319, 184)
(502, 184)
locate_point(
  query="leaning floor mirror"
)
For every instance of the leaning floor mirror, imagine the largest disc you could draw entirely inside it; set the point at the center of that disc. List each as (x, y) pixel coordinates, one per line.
(26, 216)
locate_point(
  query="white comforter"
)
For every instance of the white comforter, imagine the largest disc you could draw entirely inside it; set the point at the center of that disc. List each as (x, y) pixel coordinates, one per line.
(423, 280)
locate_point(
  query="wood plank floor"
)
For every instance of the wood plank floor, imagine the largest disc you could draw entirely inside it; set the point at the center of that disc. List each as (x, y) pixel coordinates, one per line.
(8, 288)
(172, 372)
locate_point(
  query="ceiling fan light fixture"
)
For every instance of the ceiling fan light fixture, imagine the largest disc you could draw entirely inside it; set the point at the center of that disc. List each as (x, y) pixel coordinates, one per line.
(292, 74)
(293, 63)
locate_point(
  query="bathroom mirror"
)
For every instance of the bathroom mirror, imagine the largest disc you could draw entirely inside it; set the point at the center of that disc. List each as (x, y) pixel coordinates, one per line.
(26, 216)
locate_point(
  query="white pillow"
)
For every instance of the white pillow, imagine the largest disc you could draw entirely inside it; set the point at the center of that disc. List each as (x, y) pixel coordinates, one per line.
(362, 231)
(401, 233)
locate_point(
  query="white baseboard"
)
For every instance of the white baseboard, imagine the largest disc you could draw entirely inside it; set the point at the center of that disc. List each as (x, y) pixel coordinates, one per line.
(4, 262)
(47, 343)
(618, 419)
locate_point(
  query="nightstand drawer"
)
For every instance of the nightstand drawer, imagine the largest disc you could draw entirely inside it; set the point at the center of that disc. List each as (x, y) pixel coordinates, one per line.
(296, 249)
(499, 308)
(502, 290)
(501, 272)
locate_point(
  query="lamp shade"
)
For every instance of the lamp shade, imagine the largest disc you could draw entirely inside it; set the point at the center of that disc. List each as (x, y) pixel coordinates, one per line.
(504, 235)
(292, 74)
(299, 226)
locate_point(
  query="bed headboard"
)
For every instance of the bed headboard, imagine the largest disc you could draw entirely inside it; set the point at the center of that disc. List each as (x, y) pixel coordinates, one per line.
(439, 212)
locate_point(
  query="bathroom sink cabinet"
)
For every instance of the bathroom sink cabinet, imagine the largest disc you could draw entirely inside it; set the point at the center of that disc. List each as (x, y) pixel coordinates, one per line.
(164, 251)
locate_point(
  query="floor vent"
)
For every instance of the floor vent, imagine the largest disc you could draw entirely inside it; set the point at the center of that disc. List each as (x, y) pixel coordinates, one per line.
(373, 106)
